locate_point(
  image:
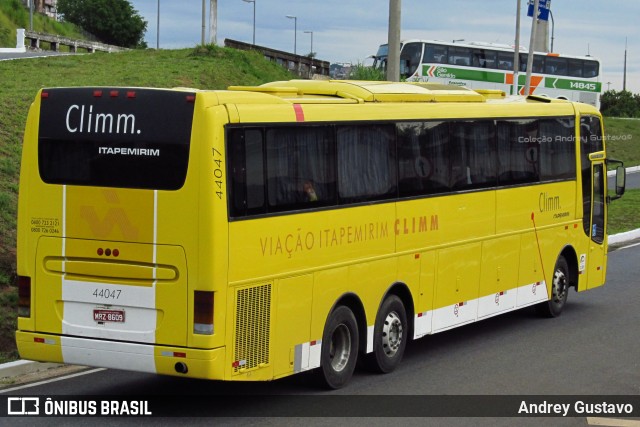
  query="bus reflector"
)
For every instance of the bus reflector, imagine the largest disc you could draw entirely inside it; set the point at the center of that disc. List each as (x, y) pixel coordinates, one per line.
(44, 95)
(97, 93)
(203, 313)
(191, 98)
(24, 296)
(131, 95)
(113, 93)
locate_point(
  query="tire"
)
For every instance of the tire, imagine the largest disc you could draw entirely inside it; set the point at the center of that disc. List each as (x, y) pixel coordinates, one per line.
(389, 336)
(339, 348)
(559, 290)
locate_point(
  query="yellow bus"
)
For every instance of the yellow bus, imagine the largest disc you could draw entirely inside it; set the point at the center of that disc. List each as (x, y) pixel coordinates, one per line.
(258, 232)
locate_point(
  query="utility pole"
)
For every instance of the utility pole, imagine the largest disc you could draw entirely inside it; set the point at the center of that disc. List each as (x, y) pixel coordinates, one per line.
(213, 21)
(624, 77)
(158, 29)
(204, 10)
(534, 25)
(516, 55)
(393, 59)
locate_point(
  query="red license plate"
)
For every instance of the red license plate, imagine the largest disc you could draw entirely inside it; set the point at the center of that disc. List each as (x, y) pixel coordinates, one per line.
(116, 316)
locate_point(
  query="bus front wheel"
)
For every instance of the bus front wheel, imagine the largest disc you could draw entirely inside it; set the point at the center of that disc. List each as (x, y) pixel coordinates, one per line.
(559, 290)
(389, 336)
(339, 348)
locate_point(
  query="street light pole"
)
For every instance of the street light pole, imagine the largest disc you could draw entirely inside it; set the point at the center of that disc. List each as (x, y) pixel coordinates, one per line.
(295, 32)
(310, 32)
(254, 18)
(158, 29)
(553, 29)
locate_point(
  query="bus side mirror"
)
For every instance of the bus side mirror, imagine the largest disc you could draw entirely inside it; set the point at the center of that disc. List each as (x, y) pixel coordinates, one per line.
(620, 179)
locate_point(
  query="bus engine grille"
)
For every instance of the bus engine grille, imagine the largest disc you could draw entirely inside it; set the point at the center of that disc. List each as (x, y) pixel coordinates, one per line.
(253, 321)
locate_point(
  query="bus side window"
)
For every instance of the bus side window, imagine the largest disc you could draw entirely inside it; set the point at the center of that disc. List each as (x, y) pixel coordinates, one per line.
(298, 157)
(590, 69)
(557, 149)
(435, 54)
(518, 151)
(505, 60)
(245, 151)
(575, 68)
(460, 56)
(423, 158)
(366, 163)
(473, 155)
(556, 66)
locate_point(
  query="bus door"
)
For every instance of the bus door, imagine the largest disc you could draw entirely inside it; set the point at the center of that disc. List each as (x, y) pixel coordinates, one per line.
(592, 159)
(597, 247)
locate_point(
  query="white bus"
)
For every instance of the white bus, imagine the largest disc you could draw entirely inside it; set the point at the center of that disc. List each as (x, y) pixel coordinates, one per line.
(478, 65)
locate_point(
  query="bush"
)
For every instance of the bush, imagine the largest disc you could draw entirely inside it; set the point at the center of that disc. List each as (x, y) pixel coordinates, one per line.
(360, 72)
(620, 104)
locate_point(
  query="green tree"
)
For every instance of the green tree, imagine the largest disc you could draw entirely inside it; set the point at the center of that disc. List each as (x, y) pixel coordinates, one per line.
(112, 21)
(620, 104)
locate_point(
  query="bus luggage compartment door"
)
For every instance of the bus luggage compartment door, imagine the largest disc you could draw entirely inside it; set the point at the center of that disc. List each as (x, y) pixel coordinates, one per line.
(111, 290)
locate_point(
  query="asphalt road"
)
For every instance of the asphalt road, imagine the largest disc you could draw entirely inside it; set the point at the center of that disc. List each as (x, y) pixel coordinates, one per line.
(30, 54)
(592, 349)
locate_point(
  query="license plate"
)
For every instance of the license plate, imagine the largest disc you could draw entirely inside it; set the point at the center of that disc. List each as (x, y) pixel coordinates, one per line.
(115, 316)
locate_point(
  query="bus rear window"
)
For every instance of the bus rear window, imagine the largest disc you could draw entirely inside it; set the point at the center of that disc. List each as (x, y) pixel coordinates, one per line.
(126, 138)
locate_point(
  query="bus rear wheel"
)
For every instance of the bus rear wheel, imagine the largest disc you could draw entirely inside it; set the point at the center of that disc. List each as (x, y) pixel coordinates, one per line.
(339, 348)
(559, 290)
(389, 336)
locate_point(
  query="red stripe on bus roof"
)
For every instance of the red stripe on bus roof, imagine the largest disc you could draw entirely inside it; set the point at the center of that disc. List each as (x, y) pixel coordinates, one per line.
(299, 112)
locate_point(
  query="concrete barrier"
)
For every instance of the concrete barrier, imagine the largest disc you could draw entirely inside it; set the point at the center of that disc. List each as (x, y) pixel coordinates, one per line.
(20, 47)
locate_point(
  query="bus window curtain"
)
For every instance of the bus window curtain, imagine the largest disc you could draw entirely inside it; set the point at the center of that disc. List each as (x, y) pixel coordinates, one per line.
(366, 162)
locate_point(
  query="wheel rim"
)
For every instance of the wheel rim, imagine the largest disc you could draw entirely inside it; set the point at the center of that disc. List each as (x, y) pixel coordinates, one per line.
(559, 287)
(392, 334)
(340, 348)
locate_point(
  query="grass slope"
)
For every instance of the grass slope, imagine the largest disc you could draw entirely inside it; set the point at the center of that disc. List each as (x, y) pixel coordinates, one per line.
(623, 140)
(207, 67)
(14, 15)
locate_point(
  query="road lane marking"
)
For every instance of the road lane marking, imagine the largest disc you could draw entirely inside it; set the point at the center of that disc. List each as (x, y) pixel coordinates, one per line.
(66, 377)
(629, 246)
(612, 422)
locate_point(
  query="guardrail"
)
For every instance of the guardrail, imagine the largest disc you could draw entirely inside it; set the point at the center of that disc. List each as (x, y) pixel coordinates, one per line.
(55, 42)
(303, 66)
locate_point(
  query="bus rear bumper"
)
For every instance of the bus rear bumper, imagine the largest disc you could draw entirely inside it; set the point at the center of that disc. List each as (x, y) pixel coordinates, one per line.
(178, 361)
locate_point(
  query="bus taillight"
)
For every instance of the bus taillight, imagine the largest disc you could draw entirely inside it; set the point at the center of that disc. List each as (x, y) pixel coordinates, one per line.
(203, 313)
(24, 296)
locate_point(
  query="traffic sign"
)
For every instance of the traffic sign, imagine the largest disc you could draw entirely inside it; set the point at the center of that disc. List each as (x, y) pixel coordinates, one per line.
(543, 9)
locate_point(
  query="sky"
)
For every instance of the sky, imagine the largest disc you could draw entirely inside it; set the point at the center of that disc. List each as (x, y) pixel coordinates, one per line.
(349, 31)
